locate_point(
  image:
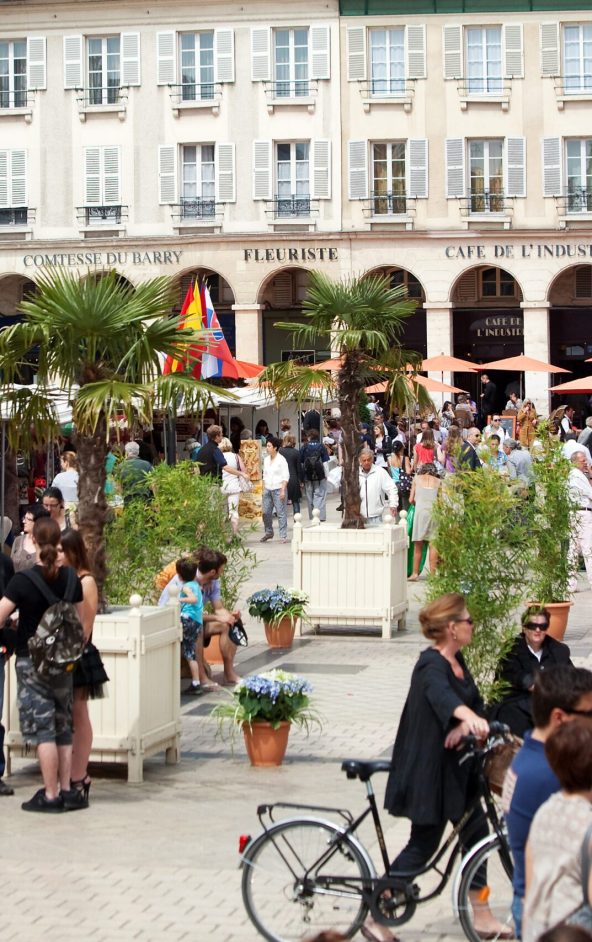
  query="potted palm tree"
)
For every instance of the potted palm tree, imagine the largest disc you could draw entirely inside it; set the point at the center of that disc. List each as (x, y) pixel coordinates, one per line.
(103, 341)
(553, 567)
(265, 706)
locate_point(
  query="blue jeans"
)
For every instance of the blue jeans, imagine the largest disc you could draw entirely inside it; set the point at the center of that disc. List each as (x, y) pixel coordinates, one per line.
(316, 497)
(517, 907)
(271, 500)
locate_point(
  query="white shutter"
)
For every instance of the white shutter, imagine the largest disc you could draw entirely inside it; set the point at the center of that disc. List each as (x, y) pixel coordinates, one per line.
(130, 58)
(455, 167)
(260, 54)
(551, 166)
(320, 52)
(92, 176)
(111, 176)
(515, 165)
(356, 53)
(321, 170)
(36, 59)
(415, 37)
(225, 173)
(4, 163)
(452, 39)
(262, 170)
(73, 66)
(18, 181)
(167, 173)
(417, 168)
(166, 65)
(224, 55)
(513, 51)
(358, 170)
(550, 49)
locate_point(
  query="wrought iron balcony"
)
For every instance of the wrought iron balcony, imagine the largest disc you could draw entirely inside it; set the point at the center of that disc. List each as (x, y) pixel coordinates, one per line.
(101, 215)
(105, 95)
(188, 93)
(388, 88)
(574, 201)
(291, 207)
(197, 209)
(21, 98)
(303, 88)
(16, 216)
(488, 202)
(389, 204)
(478, 88)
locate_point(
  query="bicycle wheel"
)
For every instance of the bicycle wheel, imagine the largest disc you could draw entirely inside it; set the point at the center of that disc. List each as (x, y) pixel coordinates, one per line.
(495, 856)
(289, 894)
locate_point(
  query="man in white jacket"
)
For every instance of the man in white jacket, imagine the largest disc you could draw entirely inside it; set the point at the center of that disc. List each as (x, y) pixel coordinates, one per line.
(581, 493)
(377, 488)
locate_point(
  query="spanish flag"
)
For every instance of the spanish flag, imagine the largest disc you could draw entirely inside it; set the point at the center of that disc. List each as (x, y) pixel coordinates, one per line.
(191, 316)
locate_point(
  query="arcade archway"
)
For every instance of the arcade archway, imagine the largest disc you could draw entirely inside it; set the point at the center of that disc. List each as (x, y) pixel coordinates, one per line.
(414, 334)
(222, 297)
(570, 328)
(281, 298)
(14, 289)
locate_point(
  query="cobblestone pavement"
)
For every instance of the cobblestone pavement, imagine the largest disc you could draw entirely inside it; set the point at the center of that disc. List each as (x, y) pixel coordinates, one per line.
(159, 860)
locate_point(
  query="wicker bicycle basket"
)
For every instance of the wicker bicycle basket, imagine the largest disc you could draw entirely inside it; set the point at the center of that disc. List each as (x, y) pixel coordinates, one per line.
(498, 761)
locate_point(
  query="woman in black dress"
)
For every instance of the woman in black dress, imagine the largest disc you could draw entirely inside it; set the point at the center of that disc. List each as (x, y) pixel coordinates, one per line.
(292, 456)
(426, 783)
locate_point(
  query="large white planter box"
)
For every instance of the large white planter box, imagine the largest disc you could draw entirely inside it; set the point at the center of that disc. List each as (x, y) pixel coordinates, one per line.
(354, 578)
(140, 715)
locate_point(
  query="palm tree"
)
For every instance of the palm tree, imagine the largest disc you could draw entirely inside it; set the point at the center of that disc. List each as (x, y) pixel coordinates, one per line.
(361, 319)
(101, 341)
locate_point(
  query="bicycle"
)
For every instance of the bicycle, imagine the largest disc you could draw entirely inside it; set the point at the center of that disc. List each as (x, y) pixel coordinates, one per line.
(323, 869)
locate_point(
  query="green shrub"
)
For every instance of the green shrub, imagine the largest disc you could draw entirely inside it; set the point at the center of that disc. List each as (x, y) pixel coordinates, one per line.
(484, 548)
(187, 511)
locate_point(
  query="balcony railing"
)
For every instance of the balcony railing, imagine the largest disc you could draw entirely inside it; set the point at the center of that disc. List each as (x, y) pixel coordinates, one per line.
(188, 93)
(21, 98)
(388, 204)
(574, 201)
(16, 216)
(387, 88)
(483, 88)
(102, 96)
(197, 209)
(101, 215)
(487, 202)
(303, 88)
(291, 207)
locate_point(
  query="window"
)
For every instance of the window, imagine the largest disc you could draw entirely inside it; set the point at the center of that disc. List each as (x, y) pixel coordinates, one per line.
(293, 179)
(484, 60)
(387, 62)
(486, 176)
(13, 187)
(198, 181)
(578, 155)
(577, 58)
(497, 283)
(388, 178)
(400, 277)
(102, 193)
(291, 63)
(197, 66)
(104, 70)
(13, 73)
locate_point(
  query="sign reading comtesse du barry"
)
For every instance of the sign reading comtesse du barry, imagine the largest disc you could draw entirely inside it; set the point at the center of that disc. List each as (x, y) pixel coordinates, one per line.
(171, 257)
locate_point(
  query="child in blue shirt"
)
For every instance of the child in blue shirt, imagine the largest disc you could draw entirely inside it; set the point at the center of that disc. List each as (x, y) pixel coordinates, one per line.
(191, 600)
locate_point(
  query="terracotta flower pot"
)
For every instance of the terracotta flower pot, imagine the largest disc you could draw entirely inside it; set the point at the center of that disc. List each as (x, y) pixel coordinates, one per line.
(280, 634)
(559, 612)
(266, 746)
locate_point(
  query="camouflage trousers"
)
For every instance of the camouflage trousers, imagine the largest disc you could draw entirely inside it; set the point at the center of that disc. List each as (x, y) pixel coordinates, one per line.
(45, 709)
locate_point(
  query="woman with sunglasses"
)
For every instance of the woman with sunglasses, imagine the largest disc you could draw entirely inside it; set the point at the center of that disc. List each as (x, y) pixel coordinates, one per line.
(427, 783)
(532, 651)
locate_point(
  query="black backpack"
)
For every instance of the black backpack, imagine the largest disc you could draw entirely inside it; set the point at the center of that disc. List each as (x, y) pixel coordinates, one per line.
(58, 642)
(313, 465)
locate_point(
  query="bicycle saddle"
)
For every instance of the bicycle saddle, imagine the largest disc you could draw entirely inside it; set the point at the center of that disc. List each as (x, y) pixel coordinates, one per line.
(363, 769)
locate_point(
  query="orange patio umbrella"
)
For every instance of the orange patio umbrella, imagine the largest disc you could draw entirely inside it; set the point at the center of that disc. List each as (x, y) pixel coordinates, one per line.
(333, 364)
(523, 364)
(446, 364)
(432, 385)
(583, 385)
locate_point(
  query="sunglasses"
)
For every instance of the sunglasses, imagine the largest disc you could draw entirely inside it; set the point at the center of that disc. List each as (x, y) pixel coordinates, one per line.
(469, 620)
(534, 626)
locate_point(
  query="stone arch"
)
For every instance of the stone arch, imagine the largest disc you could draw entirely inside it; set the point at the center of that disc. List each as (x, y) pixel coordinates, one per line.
(14, 288)
(414, 335)
(280, 296)
(570, 319)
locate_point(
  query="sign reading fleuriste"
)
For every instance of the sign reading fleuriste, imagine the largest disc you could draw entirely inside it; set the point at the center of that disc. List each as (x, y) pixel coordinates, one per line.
(292, 254)
(527, 250)
(73, 259)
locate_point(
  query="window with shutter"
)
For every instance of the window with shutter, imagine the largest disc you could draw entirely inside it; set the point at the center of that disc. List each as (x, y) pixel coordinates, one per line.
(18, 178)
(197, 63)
(387, 62)
(551, 166)
(577, 58)
(356, 53)
(13, 187)
(260, 54)
(198, 181)
(513, 51)
(389, 178)
(320, 52)
(292, 173)
(73, 64)
(416, 51)
(225, 173)
(291, 70)
(515, 161)
(93, 189)
(452, 41)
(4, 178)
(321, 170)
(455, 168)
(13, 73)
(483, 57)
(224, 55)
(578, 175)
(104, 69)
(262, 170)
(167, 173)
(36, 62)
(130, 59)
(111, 176)
(358, 170)
(550, 49)
(166, 64)
(102, 166)
(486, 176)
(418, 168)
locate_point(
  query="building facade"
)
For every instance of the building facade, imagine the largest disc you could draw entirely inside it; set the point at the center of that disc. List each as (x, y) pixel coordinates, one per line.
(447, 143)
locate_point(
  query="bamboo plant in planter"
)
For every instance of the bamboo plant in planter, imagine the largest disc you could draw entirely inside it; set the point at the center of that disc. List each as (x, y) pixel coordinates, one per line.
(279, 609)
(265, 706)
(552, 566)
